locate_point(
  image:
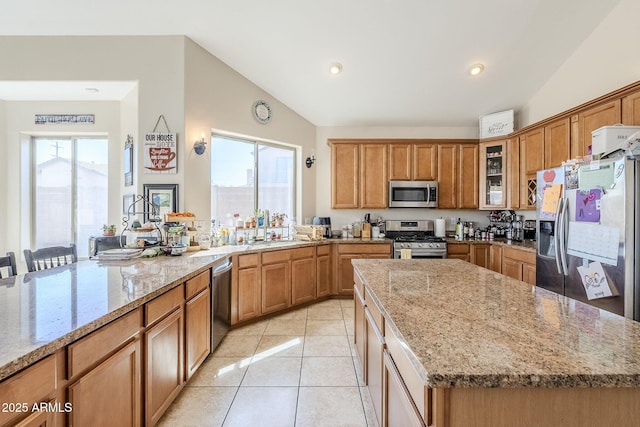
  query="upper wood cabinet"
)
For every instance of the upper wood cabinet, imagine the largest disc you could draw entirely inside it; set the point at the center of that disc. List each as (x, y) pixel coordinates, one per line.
(586, 121)
(532, 151)
(345, 175)
(457, 176)
(493, 179)
(412, 162)
(374, 177)
(513, 173)
(557, 143)
(359, 175)
(631, 109)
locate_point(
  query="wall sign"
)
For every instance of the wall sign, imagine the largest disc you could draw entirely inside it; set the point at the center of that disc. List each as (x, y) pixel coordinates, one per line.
(160, 150)
(496, 124)
(42, 119)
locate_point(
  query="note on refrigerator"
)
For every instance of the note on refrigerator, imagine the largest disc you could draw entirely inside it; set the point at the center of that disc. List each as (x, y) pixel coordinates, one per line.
(588, 205)
(594, 281)
(594, 242)
(551, 197)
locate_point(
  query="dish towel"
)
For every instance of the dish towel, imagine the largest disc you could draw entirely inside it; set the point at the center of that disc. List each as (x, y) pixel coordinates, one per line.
(405, 253)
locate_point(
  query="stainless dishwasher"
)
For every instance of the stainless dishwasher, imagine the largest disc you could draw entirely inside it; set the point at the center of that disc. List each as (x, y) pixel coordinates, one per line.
(220, 302)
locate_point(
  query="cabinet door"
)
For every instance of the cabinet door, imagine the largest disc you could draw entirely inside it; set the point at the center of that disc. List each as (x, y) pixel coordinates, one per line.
(109, 394)
(345, 174)
(496, 258)
(447, 176)
(529, 273)
(323, 272)
(512, 268)
(374, 178)
(533, 151)
(492, 175)
(425, 162)
(276, 286)
(248, 293)
(399, 408)
(481, 255)
(374, 349)
(587, 121)
(400, 160)
(303, 280)
(557, 143)
(468, 177)
(345, 273)
(164, 344)
(39, 419)
(513, 173)
(631, 109)
(198, 331)
(459, 251)
(359, 330)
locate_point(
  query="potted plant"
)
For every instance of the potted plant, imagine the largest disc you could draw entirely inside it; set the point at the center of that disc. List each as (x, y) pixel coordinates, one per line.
(278, 218)
(259, 215)
(108, 230)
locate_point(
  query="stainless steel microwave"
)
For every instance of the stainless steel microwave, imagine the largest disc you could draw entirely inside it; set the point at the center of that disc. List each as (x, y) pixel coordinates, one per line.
(413, 194)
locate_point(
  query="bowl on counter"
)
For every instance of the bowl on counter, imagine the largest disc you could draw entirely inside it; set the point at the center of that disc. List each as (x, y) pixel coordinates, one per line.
(175, 249)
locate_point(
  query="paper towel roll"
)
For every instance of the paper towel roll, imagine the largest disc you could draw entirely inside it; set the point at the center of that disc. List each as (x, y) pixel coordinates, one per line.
(439, 232)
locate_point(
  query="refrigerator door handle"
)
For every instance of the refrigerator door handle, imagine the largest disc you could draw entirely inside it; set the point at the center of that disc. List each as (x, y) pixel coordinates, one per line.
(556, 237)
(563, 238)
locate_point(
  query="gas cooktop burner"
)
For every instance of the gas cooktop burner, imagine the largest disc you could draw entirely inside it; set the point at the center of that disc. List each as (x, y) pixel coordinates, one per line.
(417, 238)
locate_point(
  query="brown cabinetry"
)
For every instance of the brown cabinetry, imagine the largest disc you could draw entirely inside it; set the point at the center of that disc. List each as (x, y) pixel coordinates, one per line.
(631, 109)
(480, 254)
(457, 176)
(557, 143)
(475, 253)
(359, 175)
(346, 252)
(374, 350)
(411, 162)
(493, 175)
(323, 270)
(399, 408)
(496, 258)
(247, 275)
(519, 264)
(197, 322)
(531, 161)
(588, 120)
(276, 281)
(164, 352)
(359, 329)
(459, 251)
(303, 275)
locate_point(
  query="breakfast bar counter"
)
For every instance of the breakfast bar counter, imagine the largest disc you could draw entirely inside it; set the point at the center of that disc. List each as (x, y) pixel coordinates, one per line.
(505, 349)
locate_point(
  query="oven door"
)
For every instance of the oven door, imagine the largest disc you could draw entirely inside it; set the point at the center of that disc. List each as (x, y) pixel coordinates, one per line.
(420, 253)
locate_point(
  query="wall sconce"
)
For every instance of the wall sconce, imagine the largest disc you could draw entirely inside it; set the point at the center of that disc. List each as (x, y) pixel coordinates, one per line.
(200, 146)
(310, 160)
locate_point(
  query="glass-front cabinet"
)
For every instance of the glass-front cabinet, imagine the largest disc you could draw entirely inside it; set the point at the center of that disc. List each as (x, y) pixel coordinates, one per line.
(493, 175)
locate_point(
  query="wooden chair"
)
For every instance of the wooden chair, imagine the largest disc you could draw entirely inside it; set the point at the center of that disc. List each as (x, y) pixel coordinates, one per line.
(10, 262)
(45, 258)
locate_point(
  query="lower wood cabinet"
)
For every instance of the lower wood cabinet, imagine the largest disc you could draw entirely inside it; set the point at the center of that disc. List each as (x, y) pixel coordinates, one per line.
(496, 258)
(303, 275)
(323, 270)
(359, 329)
(475, 253)
(519, 264)
(346, 252)
(373, 356)
(247, 292)
(197, 331)
(399, 409)
(275, 281)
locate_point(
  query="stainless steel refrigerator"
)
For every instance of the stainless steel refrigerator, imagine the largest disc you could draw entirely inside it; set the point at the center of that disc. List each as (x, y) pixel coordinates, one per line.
(588, 234)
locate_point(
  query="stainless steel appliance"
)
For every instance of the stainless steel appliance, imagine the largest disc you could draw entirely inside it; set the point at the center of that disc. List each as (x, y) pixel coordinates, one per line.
(413, 194)
(103, 243)
(220, 302)
(588, 234)
(325, 222)
(415, 238)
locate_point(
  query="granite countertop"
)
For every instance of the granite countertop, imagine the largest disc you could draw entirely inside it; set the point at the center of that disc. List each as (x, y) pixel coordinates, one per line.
(43, 311)
(465, 326)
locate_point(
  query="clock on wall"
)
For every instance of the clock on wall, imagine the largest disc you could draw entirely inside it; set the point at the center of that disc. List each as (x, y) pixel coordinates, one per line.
(262, 111)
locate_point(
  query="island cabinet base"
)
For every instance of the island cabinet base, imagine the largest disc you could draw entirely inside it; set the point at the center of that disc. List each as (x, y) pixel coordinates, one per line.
(539, 407)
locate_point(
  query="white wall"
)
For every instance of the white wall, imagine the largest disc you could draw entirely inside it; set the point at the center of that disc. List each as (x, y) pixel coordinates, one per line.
(607, 60)
(4, 180)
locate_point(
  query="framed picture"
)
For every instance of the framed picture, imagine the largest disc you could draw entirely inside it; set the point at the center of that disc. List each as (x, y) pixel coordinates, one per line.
(128, 161)
(127, 200)
(163, 196)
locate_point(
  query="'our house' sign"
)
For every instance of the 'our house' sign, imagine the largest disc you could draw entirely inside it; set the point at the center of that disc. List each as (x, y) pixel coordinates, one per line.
(496, 124)
(160, 151)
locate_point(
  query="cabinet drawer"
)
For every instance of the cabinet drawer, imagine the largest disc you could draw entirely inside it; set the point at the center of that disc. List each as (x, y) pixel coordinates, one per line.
(375, 312)
(410, 377)
(198, 283)
(276, 256)
(249, 260)
(302, 252)
(91, 349)
(164, 304)
(363, 248)
(28, 386)
(323, 250)
(458, 248)
(519, 255)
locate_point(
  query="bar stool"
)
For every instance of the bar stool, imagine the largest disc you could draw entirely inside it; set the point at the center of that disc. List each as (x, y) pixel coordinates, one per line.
(54, 256)
(10, 262)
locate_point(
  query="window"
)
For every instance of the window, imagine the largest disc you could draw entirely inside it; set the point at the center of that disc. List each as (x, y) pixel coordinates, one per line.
(247, 175)
(69, 195)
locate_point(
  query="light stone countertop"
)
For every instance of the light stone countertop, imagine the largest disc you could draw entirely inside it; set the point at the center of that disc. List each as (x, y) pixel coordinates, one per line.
(43, 311)
(466, 326)
(527, 245)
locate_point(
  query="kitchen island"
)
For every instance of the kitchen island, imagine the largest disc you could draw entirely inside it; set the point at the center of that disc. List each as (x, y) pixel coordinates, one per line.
(466, 346)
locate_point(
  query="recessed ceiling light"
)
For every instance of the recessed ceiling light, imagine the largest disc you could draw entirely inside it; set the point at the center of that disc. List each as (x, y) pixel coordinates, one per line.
(335, 68)
(92, 89)
(476, 69)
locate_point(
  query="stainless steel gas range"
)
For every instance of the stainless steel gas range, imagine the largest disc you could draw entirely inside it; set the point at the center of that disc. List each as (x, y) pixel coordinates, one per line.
(415, 239)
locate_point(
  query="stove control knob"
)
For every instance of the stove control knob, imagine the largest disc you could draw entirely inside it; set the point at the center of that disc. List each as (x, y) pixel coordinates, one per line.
(419, 245)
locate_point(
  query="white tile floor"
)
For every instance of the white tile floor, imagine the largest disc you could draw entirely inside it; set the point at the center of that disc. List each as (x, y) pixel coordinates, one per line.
(296, 369)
